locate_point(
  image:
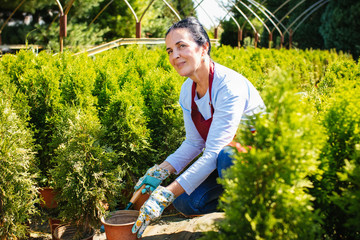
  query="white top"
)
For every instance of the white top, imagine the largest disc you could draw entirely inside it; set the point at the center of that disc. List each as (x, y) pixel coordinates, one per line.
(233, 97)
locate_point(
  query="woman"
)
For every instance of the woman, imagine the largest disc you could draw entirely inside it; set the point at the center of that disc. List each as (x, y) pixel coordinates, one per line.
(213, 99)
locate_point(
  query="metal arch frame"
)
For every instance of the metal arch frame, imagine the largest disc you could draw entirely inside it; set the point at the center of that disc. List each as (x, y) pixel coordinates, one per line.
(232, 17)
(257, 16)
(263, 10)
(243, 14)
(249, 14)
(319, 3)
(138, 21)
(290, 11)
(281, 6)
(308, 15)
(312, 9)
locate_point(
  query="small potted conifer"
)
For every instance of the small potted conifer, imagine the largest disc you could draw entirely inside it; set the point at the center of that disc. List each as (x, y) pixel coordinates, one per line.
(85, 175)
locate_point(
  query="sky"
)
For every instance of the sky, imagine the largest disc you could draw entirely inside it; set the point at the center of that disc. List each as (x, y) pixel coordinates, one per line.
(213, 10)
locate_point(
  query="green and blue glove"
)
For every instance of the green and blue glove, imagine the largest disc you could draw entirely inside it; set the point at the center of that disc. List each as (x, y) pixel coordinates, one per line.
(152, 209)
(152, 179)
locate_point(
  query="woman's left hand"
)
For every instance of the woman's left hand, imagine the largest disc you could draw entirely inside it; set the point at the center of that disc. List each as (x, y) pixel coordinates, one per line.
(152, 209)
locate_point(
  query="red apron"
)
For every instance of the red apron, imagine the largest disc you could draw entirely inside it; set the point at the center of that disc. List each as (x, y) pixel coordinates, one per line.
(201, 124)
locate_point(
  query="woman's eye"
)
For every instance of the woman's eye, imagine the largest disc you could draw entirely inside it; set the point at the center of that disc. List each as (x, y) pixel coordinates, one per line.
(182, 45)
(169, 52)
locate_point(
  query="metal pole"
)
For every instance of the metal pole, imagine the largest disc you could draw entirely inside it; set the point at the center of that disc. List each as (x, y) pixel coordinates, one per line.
(290, 38)
(259, 6)
(237, 24)
(61, 26)
(138, 23)
(176, 14)
(319, 3)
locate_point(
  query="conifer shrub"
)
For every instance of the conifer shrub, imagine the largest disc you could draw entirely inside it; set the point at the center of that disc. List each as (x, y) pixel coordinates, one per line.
(337, 74)
(37, 77)
(337, 191)
(266, 190)
(161, 91)
(126, 133)
(18, 193)
(86, 176)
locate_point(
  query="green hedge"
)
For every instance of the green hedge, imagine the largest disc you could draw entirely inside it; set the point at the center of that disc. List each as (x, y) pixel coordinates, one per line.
(307, 144)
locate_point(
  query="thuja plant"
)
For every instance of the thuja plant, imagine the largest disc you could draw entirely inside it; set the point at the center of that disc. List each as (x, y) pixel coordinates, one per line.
(125, 131)
(164, 115)
(337, 192)
(266, 190)
(37, 77)
(86, 175)
(17, 179)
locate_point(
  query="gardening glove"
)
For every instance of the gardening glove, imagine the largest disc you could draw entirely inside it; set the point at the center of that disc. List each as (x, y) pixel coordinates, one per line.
(152, 179)
(152, 209)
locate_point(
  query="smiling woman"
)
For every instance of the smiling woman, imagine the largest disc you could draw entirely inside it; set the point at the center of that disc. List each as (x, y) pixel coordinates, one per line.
(214, 99)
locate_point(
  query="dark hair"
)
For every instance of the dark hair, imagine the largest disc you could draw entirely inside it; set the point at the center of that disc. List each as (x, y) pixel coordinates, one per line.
(195, 28)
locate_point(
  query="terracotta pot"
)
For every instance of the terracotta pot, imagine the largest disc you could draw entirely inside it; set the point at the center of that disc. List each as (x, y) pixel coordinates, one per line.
(67, 232)
(118, 225)
(47, 196)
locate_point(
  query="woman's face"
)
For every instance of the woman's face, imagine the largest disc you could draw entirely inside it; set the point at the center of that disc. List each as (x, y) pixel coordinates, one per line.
(184, 53)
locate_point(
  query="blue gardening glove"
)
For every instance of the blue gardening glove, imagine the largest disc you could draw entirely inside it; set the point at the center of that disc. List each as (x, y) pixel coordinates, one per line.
(152, 209)
(152, 179)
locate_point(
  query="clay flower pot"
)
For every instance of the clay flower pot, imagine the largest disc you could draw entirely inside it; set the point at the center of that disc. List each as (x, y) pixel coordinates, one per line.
(118, 225)
(47, 196)
(68, 232)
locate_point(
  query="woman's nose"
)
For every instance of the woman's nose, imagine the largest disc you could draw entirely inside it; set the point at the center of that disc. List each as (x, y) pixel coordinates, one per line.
(176, 54)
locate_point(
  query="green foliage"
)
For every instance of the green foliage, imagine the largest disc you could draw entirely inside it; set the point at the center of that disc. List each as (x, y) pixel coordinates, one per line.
(104, 120)
(36, 79)
(337, 192)
(86, 174)
(161, 92)
(126, 128)
(266, 189)
(18, 193)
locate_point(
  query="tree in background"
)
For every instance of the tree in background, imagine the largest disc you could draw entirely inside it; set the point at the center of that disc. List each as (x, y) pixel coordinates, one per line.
(307, 35)
(89, 22)
(340, 26)
(333, 25)
(119, 18)
(37, 22)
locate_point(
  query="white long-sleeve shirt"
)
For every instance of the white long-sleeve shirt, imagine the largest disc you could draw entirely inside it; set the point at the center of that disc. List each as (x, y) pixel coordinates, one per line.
(233, 97)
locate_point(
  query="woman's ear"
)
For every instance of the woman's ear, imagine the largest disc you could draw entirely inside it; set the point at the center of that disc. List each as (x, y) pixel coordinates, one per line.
(205, 47)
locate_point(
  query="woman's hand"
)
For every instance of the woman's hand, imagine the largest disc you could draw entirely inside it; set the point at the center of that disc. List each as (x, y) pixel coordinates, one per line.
(152, 209)
(152, 178)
